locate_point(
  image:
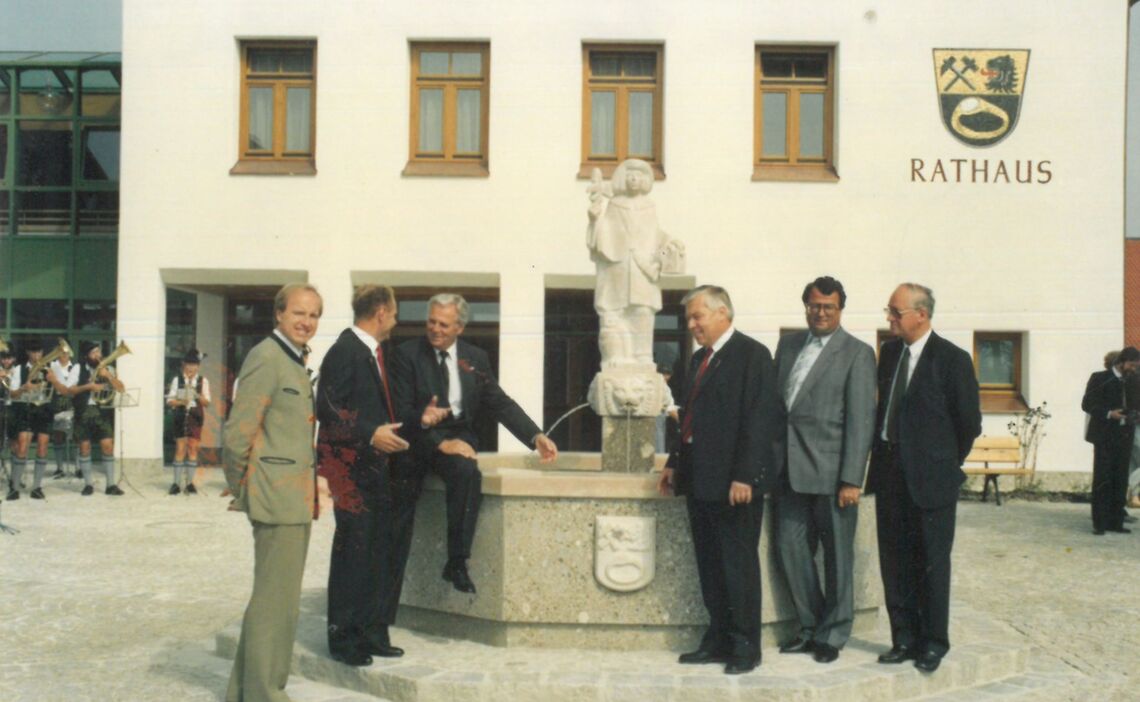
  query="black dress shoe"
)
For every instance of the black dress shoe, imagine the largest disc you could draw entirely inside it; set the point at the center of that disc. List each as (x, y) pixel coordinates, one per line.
(190, 489)
(13, 495)
(739, 666)
(114, 490)
(87, 490)
(702, 655)
(928, 661)
(353, 657)
(455, 572)
(1098, 532)
(174, 489)
(37, 493)
(797, 645)
(898, 654)
(824, 653)
(385, 650)
(1120, 530)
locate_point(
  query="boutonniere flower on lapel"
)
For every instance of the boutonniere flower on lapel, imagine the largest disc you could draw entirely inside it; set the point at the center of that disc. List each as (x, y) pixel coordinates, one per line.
(466, 367)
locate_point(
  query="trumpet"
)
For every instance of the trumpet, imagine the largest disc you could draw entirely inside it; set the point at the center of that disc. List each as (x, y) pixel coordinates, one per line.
(106, 396)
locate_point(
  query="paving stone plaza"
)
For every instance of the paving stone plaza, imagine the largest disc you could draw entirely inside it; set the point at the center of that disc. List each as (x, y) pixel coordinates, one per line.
(138, 598)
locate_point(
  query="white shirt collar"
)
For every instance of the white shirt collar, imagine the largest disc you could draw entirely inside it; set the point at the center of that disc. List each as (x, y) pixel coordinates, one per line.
(1116, 372)
(366, 338)
(917, 347)
(719, 343)
(290, 344)
(450, 350)
(822, 339)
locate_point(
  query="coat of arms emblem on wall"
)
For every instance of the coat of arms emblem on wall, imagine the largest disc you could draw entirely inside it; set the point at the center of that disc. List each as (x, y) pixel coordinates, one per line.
(979, 92)
(624, 550)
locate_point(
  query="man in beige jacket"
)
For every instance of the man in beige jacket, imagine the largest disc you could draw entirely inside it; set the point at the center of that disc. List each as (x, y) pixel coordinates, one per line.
(269, 463)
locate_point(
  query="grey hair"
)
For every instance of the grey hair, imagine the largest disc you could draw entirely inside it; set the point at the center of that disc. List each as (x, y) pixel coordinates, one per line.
(714, 297)
(923, 298)
(445, 299)
(281, 299)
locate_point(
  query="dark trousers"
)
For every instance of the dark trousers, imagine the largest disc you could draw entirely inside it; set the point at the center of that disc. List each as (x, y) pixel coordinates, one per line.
(914, 560)
(366, 570)
(726, 540)
(1109, 484)
(464, 495)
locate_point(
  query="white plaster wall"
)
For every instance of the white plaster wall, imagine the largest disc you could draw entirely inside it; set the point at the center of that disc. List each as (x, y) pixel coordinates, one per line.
(1043, 259)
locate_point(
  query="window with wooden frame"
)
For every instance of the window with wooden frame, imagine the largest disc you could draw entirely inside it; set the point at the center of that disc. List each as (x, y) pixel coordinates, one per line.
(278, 108)
(621, 106)
(998, 363)
(794, 114)
(450, 109)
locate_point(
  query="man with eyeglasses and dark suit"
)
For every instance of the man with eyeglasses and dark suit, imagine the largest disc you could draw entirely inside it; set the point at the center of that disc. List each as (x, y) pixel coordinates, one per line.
(928, 418)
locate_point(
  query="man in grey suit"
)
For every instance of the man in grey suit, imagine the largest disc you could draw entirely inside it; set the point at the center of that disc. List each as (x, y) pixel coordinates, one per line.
(268, 456)
(826, 379)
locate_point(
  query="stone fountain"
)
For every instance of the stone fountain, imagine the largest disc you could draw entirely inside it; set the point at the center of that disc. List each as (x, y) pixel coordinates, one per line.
(586, 553)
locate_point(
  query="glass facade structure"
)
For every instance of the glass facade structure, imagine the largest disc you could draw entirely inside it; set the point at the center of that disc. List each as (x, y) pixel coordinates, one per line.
(59, 195)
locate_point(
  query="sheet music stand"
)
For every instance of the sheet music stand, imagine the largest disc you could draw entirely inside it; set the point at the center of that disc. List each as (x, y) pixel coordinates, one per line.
(126, 399)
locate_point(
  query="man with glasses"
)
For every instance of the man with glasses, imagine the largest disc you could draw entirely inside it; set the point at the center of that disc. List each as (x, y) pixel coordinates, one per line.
(928, 418)
(826, 381)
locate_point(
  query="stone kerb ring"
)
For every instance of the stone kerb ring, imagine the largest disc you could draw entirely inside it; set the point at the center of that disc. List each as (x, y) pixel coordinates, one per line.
(973, 106)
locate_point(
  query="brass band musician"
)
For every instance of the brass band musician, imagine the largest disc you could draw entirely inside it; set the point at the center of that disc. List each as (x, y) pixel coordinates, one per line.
(95, 421)
(32, 415)
(188, 396)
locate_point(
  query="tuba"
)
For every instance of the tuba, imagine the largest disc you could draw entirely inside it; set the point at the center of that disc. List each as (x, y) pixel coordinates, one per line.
(106, 396)
(45, 393)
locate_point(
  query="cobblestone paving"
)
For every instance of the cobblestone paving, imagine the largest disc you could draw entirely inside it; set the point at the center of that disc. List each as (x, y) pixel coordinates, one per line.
(105, 598)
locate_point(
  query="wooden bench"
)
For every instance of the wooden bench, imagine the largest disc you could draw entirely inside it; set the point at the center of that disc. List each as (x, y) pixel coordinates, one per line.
(998, 455)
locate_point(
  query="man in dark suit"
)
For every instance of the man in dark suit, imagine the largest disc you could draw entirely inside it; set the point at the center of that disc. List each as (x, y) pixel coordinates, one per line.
(1110, 431)
(826, 418)
(358, 433)
(267, 453)
(723, 465)
(442, 365)
(928, 418)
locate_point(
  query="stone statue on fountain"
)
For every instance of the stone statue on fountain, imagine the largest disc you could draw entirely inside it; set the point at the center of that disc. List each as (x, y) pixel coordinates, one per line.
(631, 253)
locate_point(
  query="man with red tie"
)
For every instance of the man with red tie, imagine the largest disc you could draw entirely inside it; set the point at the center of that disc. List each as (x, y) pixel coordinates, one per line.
(358, 434)
(723, 465)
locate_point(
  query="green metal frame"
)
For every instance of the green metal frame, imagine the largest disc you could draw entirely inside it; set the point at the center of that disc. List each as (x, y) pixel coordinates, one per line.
(73, 248)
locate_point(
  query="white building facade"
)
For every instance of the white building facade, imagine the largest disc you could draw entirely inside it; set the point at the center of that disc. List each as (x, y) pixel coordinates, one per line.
(448, 145)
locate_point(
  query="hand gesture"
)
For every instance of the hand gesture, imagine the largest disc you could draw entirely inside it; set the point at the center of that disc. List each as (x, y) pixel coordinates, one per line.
(547, 451)
(457, 447)
(433, 414)
(385, 439)
(665, 484)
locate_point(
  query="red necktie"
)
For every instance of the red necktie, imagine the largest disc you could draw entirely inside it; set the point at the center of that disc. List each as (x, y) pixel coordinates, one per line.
(384, 382)
(687, 420)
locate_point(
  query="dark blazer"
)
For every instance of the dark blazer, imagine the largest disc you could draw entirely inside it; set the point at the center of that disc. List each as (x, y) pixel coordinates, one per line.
(415, 378)
(732, 424)
(350, 406)
(938, 421)
(1104, 393)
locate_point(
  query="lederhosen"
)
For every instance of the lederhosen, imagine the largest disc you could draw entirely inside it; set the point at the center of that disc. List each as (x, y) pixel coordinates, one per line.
(188, 421)
(92, 422)
(34, 416)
